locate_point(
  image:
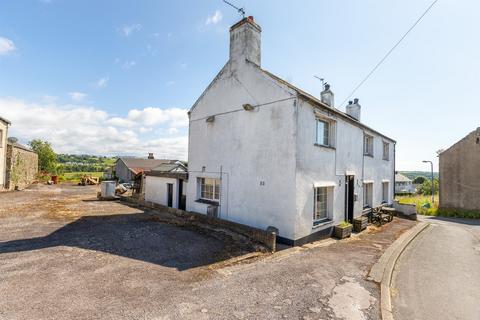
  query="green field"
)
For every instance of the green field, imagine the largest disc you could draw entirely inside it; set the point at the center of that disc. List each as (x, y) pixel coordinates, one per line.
(76, 176)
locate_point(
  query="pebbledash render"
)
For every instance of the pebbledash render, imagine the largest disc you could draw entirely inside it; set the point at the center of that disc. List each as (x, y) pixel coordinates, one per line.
(267, 154)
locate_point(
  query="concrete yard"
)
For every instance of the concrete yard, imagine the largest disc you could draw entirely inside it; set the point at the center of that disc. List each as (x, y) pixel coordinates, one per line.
(64, 255)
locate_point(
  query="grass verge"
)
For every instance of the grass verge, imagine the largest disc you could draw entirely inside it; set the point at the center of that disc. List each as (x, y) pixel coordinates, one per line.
(426, 207)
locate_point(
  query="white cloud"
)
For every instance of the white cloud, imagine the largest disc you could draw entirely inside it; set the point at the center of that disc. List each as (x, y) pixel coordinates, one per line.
(127, 30)
(153, 116)
(77, 96)
(215, 18)
(6, 46)
(172, 131)
(89, 130)
(102, 82)
(129, 64)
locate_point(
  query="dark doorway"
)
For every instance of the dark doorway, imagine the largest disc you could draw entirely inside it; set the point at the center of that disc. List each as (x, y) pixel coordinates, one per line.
(182, 199)
(170, 194)
(349, 197)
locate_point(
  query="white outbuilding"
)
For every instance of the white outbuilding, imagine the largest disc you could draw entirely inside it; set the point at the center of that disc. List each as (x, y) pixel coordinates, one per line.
(265, 153)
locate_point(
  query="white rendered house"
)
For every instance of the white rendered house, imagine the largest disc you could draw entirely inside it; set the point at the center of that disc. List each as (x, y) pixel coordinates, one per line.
(267, 154)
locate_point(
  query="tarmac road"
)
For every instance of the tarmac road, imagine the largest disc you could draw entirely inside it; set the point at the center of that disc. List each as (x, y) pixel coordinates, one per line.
(438, 275)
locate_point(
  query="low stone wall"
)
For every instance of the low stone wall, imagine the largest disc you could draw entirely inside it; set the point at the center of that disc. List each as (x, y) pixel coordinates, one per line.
(266, 238)
(407, 210)
(22, 167)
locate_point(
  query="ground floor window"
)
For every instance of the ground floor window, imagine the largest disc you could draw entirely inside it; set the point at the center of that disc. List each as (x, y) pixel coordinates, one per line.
(321, 204)
(367, 195)
(209, 189)
(385, 192)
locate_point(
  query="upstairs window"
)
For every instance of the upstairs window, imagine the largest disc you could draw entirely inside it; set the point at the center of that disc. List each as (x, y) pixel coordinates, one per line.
(1, 138)
(386, 151)
(323, 133)
(367, 195)
(368, 145)
(209, 189)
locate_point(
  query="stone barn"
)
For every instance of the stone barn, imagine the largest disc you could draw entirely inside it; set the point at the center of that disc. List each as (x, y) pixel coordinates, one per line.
(21, 166)
(4, 123)
(460, 174)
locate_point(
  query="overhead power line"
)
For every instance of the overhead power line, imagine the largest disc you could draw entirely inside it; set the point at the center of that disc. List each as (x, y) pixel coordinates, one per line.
(389, 52)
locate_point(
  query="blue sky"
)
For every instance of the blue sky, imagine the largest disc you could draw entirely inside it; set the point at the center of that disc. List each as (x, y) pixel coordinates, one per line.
(115, 77)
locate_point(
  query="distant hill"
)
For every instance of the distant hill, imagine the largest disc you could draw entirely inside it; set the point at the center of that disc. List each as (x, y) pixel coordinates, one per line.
(413, 174)
(84, 163)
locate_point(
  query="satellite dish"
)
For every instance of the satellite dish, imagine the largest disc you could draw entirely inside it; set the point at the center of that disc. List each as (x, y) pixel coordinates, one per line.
(12, 140)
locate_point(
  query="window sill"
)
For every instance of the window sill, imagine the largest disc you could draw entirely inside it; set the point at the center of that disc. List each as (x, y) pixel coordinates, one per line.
(386, 159)
(210, 202)
(321, 223)
(324, 146)
(368, 155)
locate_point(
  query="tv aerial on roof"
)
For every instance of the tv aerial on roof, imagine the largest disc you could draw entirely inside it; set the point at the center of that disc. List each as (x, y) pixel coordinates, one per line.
(323, 81)
(240, 11)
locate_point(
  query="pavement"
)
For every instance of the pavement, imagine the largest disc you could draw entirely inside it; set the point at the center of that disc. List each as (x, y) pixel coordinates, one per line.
(438, 275)
(64, 255)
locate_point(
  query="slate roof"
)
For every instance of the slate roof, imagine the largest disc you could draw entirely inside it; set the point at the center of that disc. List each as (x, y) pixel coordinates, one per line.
(20, 146)
(137, 165)
(318, 102)
(401, 178)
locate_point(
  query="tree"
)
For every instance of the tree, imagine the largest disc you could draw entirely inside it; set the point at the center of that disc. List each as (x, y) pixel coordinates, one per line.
(47, 158)
(419, 180)
(426, 187)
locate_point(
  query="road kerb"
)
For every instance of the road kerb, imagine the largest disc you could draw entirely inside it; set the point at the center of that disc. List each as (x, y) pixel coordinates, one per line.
(386, 264)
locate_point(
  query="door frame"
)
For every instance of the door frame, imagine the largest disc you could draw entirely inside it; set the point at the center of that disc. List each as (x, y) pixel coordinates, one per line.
(170, 195)
(349, 197)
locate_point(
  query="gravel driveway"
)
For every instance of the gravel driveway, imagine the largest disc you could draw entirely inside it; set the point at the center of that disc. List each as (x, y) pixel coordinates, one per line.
(65, 256)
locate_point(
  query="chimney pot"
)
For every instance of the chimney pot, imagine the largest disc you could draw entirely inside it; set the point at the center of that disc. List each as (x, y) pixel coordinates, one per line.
(245, 42)
(354, 109)
(150, 156)
(327, 96)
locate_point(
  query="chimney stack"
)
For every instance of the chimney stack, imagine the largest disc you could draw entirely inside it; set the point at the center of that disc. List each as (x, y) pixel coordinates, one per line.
(245, 41)
(354, 109)
(327, 96)
(150, 156)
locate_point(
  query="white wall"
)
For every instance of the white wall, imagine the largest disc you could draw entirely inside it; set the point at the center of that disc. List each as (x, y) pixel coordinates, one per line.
(250, 147)
(322, 165)
(156, 190)
(3, 152)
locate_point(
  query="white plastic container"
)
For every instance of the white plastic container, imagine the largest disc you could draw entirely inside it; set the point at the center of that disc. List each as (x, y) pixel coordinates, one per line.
(107, 189)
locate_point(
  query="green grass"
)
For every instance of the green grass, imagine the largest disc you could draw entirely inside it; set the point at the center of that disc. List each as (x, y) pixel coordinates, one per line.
(76, 176)
(421, 200)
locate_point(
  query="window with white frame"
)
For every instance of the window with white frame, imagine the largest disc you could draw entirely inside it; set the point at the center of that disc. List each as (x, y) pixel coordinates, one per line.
(367, 195)
(368, 145)
(386, 150)
(209, 189)
(322, 205)
(385, 192)
(325, 132)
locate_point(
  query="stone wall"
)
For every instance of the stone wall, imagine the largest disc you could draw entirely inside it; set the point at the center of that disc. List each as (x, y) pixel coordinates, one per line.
(264, 237)
(22, 167)
(460, 174)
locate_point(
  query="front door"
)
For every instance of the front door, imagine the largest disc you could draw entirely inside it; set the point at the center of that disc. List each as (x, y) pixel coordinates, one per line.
(349, 197)
(170, 194)
(182, 199)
